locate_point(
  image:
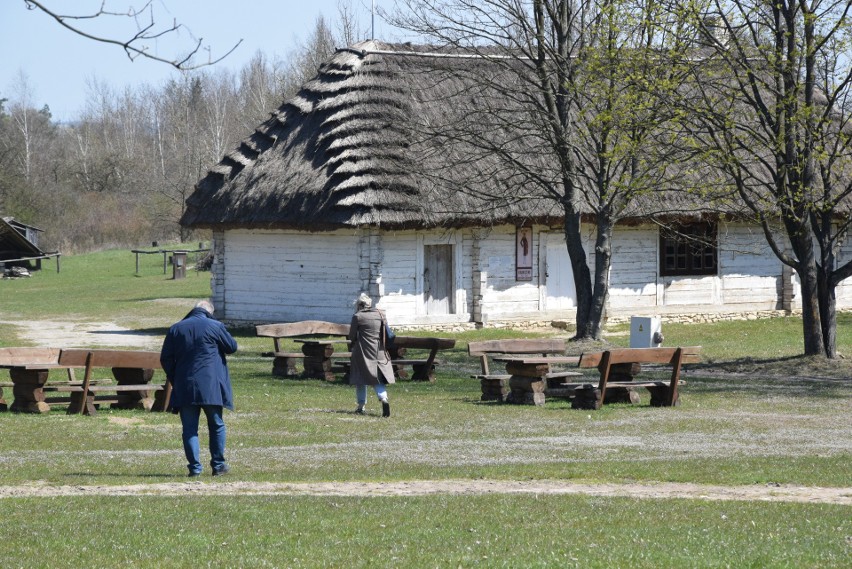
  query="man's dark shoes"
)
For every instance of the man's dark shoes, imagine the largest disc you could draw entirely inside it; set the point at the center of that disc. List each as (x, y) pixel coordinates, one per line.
(222, 471)
(385, 409)
(193, 475)
(360, 411)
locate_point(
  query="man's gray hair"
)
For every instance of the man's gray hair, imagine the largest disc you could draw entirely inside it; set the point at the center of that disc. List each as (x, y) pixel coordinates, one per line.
(206, 305)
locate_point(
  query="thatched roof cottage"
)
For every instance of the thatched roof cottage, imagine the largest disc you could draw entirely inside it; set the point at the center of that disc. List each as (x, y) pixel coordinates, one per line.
(344, 188)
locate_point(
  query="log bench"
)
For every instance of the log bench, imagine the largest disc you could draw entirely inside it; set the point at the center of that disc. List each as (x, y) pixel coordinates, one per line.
(423, 368)
(618, 367)
(318, 353)
(527, 380)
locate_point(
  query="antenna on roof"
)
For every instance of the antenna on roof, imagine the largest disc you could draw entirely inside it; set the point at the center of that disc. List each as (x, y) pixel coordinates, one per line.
(373, 21)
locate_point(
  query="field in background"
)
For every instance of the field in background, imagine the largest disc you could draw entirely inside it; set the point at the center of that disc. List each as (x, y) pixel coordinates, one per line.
(102, 287)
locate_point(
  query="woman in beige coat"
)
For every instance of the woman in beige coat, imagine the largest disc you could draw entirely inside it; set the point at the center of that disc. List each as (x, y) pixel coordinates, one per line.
(369, 362)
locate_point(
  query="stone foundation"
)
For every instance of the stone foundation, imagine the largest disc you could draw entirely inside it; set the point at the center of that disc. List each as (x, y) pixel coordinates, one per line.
(547, 325)
(708, 317)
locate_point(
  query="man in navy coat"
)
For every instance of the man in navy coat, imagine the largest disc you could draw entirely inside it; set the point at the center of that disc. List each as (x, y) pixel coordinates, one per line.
(193, 357)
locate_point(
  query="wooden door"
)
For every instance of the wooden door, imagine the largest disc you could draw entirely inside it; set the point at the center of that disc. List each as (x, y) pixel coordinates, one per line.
(438, 278)
(559, 278)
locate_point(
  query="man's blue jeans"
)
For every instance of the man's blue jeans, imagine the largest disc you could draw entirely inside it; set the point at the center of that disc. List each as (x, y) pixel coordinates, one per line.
(189, 416)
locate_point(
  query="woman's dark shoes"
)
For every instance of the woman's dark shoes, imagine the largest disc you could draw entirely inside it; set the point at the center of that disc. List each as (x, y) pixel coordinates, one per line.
(385, 409)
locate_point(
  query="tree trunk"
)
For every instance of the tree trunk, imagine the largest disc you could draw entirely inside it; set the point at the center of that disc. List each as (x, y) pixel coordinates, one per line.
(591, 296)
(827, 300)
(603, 262)
(811, 326)
(582, 277)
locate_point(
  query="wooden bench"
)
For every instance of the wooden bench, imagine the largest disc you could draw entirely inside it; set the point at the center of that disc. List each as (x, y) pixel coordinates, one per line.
(497, 386)
(618, 367)
(318, 357)
(132, 370)
(423, 368)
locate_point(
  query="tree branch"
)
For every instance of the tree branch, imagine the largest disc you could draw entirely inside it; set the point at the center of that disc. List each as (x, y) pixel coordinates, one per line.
(135, 46)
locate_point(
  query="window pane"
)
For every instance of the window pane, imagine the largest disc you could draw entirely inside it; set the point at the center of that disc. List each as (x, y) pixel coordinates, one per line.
(688, 250)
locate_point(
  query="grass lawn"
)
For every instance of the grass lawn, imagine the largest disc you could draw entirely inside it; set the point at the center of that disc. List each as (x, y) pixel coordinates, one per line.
(437, 531)
(753, 414)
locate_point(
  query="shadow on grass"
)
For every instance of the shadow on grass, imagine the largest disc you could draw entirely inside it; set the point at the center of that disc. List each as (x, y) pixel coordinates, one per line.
(827, 388)
(161, 331)
(122, 474)
(351, 412)
(478, 401)
(161, 295)
(798, 365)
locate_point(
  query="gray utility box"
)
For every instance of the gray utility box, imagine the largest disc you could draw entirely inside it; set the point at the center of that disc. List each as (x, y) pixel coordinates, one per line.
(646, 332)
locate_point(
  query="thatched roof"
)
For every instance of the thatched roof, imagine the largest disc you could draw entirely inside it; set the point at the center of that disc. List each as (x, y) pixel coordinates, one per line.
(356, 147)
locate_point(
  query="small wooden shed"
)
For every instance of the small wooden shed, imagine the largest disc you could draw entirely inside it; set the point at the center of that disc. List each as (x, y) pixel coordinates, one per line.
(19, 245)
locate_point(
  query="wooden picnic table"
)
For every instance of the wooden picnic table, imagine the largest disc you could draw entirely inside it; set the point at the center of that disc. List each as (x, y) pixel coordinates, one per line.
(315, 332)
(530, 376)
(423, 368)
(29, 369)
(319, 354)
(495, 386)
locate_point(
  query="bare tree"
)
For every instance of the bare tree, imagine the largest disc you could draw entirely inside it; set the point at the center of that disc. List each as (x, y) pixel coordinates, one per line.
(349, 29)
(26, 134)
(261, 90)
(771, 109)
(181, 116)
(25, 119)
(584, 83)
(307, 59)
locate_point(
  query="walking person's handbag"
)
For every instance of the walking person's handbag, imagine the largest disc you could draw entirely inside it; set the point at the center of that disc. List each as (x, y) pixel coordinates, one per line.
(387, 337)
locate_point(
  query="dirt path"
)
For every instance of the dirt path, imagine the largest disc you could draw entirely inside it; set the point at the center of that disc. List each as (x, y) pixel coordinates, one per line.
(768, 493)
(66, 334)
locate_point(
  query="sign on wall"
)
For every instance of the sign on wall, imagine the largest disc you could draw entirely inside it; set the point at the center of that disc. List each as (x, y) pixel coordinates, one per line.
(523, 254)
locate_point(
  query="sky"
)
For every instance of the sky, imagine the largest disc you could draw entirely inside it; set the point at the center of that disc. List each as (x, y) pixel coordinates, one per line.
(59, 64)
